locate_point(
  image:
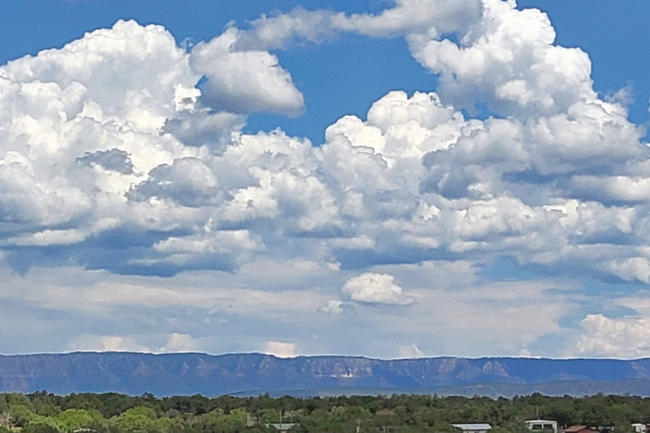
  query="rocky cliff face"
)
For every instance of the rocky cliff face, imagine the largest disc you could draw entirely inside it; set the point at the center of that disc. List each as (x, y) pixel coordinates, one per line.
(135, 373)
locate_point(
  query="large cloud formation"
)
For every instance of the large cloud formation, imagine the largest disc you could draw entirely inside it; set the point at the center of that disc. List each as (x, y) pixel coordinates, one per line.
(123, 152)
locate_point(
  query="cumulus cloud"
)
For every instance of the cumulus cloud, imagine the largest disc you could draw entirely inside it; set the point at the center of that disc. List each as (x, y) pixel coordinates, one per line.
(615, 338)
(125, 152)
(506, 59)
(244, 81)
(187, 181)
(635, 268)
(92, 147)
(410, 352)
(180, 343)
(112, 159)
(107, 343)
(280, 349)
(95, 151)
(113, 343)
(371, 288)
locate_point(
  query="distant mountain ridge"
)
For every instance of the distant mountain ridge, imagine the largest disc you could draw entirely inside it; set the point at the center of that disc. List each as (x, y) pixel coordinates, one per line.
(213, 375)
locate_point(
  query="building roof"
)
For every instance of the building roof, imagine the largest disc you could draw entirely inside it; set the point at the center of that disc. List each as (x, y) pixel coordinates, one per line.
(576, 428)
(473, 426)
(282, 426)
(540, 421)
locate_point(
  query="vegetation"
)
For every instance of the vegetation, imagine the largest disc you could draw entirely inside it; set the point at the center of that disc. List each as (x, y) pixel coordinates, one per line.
(42, 412)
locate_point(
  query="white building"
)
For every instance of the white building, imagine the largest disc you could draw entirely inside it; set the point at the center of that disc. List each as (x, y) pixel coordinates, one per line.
(539, 425)
(474, 428)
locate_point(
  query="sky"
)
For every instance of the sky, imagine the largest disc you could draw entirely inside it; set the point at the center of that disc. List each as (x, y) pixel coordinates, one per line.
(391, 179)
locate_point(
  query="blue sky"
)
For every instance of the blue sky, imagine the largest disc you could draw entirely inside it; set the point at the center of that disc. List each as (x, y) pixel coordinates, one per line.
(390, 179)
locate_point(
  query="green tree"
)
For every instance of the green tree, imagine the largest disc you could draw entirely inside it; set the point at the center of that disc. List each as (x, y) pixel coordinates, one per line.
(75, 419)
(20, 415)
(137, 419)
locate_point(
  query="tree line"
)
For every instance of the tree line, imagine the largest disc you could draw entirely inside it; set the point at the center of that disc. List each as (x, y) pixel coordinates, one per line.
(43, 412)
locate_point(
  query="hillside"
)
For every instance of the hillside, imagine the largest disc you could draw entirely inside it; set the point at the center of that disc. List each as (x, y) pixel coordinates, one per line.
(192, 373)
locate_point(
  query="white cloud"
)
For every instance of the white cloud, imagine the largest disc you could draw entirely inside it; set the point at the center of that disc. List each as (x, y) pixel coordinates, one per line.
(107, 343)
(244, 81)
(613, 188)
(410, 352)
(48, 237)
(635, 268)
(337, 307)
(187, 181)
(356, 243)
(371, 288)
(180, 343)
(278, 301)
(509, 315)
(445, 16)
(112, 158)
(614, 338)
(280, 349)
(98, 144)
(113, 343)
(332, 306)
(508, 59)
(278, 31)
(406, 16)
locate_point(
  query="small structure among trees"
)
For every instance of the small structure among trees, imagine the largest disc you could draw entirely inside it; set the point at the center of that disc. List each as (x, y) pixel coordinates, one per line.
(473, 428)
(282, 427)
(542, 425)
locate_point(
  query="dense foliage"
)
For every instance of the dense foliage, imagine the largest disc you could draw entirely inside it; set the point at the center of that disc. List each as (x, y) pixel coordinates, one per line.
(43, 412)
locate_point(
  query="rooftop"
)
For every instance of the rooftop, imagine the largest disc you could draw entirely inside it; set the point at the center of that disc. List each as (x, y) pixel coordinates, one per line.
(473, 426)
